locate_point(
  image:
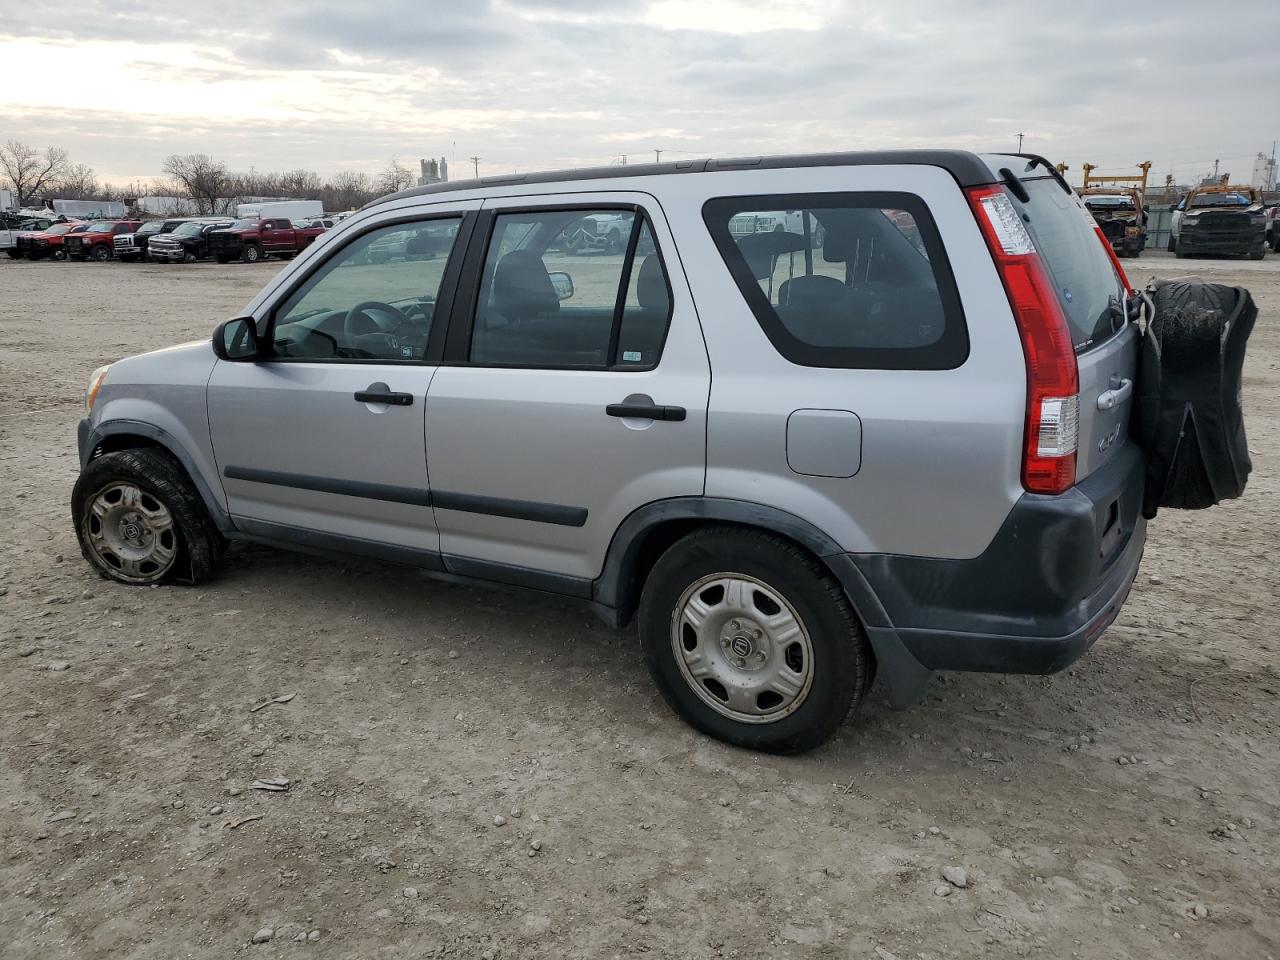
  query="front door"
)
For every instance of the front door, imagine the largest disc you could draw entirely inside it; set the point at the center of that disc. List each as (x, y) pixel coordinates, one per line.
(325, 435)
(575, 389)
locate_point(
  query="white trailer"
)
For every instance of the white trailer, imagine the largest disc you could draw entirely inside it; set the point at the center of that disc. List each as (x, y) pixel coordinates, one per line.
(89, 209)
(290, 209)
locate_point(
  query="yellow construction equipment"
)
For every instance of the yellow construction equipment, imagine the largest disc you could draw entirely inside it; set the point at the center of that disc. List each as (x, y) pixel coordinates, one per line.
(1140, 183)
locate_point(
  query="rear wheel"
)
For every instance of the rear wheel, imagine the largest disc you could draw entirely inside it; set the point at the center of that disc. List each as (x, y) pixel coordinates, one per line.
(140, 521)
(751, 640)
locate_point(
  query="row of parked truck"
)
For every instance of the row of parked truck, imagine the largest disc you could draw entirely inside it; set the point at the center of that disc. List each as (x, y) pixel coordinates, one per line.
(1218, 220)
(175, 240)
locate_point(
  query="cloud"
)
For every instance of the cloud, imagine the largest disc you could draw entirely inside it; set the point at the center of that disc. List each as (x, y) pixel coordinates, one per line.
(531, 84)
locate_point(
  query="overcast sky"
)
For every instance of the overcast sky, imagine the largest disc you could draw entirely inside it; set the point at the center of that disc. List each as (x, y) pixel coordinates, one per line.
(535, 84)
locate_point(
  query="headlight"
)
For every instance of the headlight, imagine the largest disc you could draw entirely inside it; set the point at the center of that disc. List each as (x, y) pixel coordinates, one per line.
(95, 384)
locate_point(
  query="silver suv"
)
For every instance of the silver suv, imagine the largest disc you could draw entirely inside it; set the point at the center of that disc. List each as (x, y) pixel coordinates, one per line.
(817, 417)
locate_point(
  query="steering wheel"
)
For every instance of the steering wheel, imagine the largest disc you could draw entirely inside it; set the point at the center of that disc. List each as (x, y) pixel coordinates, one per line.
(349, 324)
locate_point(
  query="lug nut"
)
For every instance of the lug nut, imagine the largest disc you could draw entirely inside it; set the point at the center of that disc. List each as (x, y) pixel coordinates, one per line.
(741, 662)
(724, 642)
(760, 657)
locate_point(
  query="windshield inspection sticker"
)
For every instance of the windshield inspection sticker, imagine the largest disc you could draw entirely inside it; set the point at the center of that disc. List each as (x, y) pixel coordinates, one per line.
(630, 356)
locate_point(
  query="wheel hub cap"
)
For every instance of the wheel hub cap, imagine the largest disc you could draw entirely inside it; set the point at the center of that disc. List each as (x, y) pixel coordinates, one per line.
(742, 648)
(131, 533)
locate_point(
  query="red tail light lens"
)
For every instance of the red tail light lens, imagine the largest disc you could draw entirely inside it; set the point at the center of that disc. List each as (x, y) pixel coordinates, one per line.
(1053, 381)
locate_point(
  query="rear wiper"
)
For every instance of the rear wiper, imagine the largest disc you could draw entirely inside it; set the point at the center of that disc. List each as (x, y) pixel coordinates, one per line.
(1035, 160)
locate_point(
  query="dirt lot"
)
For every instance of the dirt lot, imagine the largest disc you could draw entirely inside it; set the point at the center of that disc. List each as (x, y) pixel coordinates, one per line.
(423, 711)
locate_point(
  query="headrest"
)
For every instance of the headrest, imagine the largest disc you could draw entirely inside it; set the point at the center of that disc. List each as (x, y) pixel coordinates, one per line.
(651, 285)
(761, 249)
(521, 286)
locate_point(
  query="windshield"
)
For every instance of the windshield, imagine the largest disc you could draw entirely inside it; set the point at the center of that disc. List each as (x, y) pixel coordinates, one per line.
(245, 225)
(101, 226)
(149, 228)
(1087, 286)
(188, 230)
(1219, 200)
(58, 229)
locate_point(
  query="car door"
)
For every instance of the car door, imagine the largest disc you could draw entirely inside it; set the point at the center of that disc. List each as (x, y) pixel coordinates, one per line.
(574, 389)
(321, 441)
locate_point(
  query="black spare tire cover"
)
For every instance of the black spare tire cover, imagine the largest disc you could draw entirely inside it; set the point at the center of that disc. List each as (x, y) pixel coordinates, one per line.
(1188, 416)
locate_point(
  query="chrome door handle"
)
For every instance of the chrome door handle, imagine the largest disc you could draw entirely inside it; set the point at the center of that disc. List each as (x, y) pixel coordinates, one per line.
(1118, 394)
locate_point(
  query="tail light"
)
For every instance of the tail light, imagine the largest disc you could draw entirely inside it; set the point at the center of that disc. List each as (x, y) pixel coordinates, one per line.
(1053, 382)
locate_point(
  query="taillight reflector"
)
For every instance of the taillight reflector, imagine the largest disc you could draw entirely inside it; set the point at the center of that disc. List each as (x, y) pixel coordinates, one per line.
(1053, 381)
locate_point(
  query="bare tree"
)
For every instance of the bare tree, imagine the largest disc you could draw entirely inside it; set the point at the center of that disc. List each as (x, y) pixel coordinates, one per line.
(347, 190)
(394, 177)
(29, 171)
(200, 178)
(78, 182)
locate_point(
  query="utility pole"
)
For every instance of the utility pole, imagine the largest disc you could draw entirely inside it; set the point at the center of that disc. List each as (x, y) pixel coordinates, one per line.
(1020, 142)
(657, 154)
(475, 164)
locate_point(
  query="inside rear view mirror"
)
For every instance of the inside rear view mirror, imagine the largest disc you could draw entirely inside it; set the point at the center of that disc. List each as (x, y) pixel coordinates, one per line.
(236, 340)
(563, 285)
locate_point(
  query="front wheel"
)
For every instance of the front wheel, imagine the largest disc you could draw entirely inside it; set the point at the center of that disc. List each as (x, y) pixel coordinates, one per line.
(140, 521)
(1173, 244)
(252, 254)
(15, 254)
(100, 253)
(188, 257)
(1260, 252)
(751, 640)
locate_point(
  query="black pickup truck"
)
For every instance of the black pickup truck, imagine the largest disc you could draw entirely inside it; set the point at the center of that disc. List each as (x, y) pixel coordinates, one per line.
(187, 243)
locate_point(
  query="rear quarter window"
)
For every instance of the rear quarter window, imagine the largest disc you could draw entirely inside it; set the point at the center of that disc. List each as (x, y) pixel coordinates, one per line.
(855, 280)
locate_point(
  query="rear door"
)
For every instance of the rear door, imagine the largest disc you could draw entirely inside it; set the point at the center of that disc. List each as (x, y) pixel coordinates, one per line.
(574, 389)
(1093, 300)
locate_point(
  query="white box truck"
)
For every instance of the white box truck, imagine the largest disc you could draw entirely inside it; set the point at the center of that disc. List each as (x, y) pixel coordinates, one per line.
(292, 209)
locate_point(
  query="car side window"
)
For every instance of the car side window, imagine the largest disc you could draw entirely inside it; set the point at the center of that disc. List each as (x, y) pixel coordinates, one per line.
(373, 300)
(857, 280)
(565, 289)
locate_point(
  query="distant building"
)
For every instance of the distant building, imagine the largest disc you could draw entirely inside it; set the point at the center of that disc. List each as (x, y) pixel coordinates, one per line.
(7, 200)
(433, 171)
(1264, 172)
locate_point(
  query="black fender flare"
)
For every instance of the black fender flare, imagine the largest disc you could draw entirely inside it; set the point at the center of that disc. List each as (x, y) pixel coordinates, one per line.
(89, 439)
(616, 588)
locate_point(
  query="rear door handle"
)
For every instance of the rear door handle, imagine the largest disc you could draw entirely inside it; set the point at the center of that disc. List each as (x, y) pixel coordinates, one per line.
(385, 396)
(644, 411)
(1118, 394)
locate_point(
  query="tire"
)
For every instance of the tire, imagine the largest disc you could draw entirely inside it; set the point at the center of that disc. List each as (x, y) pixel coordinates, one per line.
(15, 254)
(252, 253)
(100, 254)
(222, 258)
(1173, 243)
(140, 521)
(1179, 252)
(189, 257)
(1260, 253)
(823, 663)
(1275, 243)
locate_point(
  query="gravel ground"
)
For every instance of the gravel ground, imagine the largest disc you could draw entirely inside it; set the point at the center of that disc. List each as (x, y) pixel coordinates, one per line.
(478, 774)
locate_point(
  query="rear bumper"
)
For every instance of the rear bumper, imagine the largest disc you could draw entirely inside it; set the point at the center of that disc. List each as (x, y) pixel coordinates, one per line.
(1051, 581)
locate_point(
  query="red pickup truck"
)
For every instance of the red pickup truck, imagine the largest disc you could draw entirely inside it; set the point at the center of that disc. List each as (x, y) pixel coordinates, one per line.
(251, 240)
(47, 243)
(97, 241)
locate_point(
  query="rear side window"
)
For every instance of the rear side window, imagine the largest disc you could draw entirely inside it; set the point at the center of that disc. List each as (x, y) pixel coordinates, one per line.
(1083, 278)
(565, 289)
(844, 279)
